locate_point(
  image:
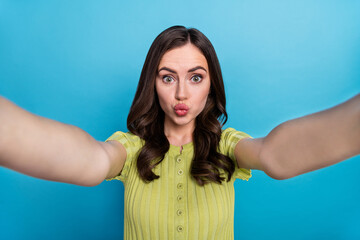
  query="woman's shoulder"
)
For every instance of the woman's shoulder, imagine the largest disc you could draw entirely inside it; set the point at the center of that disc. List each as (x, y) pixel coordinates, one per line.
(132, 144)
(231, 133)
(229, 138)
(127, 139)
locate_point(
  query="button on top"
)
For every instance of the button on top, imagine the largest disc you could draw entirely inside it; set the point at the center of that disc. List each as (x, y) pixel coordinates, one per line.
(180, 228)
(179, 198)
(178, 160)
(180, 186)
(180, 172)
(179, 212)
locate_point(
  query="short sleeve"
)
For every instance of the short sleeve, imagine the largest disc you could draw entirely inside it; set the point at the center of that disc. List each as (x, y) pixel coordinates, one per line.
(229, 138)
(132, 145)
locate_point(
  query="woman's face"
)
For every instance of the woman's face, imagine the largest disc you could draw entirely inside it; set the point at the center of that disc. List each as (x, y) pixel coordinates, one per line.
(182, 85)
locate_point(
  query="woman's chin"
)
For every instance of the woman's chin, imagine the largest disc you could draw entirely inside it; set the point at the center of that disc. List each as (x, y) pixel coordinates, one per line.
(182, 121)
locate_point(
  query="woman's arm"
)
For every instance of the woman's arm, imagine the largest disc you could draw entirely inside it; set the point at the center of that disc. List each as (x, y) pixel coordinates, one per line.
(47, 149)
(314, 141)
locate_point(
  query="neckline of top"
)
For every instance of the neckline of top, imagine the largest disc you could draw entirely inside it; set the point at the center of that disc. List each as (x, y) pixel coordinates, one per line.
(185, 147)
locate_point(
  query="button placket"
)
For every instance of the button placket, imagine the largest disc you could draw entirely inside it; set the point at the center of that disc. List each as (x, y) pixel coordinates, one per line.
(180, 213)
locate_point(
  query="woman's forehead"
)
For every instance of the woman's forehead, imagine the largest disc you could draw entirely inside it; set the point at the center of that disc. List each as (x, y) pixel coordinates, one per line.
(184, 57)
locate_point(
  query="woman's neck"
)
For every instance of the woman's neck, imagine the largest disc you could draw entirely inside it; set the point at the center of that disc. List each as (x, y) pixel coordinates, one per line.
(179, 135)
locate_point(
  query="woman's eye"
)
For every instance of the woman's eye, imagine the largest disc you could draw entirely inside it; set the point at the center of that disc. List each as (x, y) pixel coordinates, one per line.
(167, 79)
(196, 78)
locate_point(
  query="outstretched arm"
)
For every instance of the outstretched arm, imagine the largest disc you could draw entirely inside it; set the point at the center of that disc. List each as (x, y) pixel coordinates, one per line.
(312, 142)
(55, 151)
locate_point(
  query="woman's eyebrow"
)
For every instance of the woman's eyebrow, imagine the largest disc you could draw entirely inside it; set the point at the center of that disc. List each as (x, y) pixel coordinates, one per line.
(196, 68)
(190, 70)
(167, 69)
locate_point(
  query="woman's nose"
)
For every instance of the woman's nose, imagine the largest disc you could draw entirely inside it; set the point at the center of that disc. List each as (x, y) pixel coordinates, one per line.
(181, 90)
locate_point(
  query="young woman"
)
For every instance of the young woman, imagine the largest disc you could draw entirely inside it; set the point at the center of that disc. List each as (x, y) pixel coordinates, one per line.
(177, 164)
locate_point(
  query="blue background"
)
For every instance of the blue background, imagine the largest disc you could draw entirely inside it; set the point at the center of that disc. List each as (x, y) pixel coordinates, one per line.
(78, 62)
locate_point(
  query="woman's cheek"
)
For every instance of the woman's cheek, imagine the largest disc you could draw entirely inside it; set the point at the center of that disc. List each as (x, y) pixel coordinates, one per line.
(164, 104)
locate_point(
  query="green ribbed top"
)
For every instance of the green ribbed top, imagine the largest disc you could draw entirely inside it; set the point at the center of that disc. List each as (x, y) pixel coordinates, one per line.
(175, 206)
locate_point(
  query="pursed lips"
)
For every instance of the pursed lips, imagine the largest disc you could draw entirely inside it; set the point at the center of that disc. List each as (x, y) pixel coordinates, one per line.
(181, 109)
